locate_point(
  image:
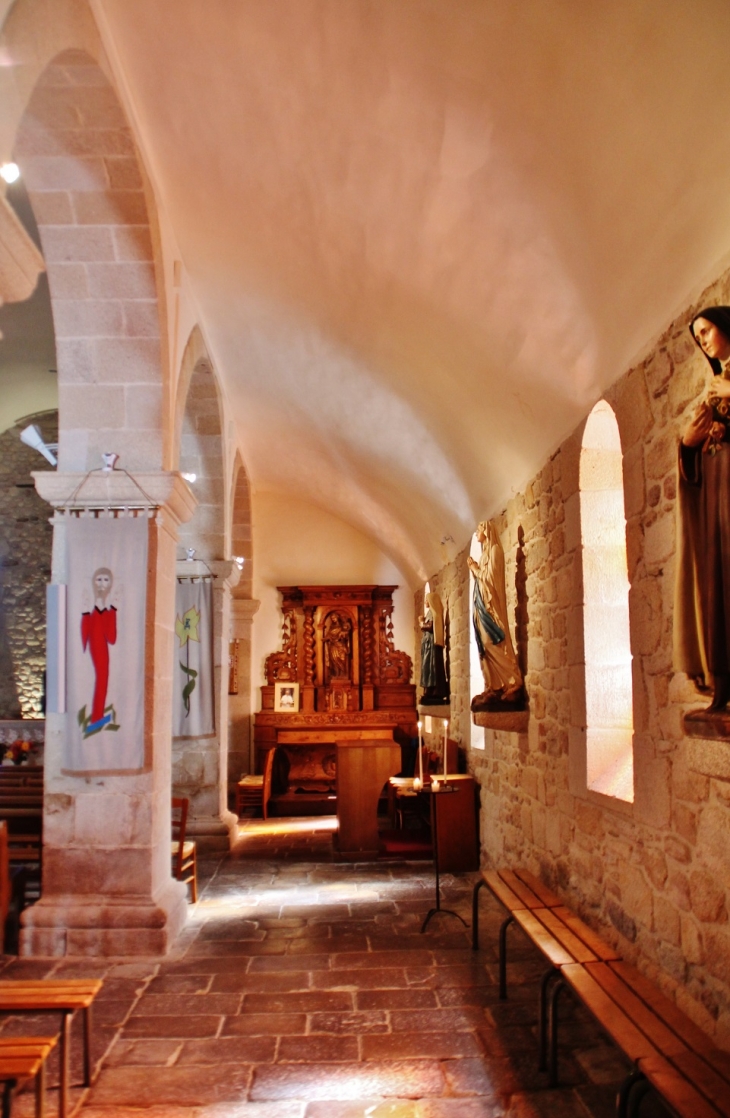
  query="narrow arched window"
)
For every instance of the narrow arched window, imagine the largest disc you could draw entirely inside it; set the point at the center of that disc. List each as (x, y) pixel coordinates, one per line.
(609, 704)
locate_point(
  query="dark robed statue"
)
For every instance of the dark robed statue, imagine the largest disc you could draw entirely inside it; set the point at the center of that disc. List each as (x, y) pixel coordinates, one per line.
(433, 673)
(702, 602)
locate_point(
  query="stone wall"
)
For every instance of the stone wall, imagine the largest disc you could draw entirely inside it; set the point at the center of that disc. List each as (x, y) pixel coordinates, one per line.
(25, 568)
(652, 875)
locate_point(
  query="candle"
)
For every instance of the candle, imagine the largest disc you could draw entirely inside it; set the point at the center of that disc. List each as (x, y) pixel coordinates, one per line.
(446, 744)
(420, 754)
(435, 785)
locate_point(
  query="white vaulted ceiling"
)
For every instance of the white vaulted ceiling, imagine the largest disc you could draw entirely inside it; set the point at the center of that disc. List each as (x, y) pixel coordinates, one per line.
(425, 235)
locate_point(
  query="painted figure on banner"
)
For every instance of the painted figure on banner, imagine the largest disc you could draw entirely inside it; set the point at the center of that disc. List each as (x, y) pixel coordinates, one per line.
(193, 673)
(106, 558)
(98, 631)
(337, 645)
(504, 685)
(702, 598)
(433, 672)
(186, 629)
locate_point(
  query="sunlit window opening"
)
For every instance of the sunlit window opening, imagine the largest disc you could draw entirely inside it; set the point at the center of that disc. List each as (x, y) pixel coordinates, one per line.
(609, 705)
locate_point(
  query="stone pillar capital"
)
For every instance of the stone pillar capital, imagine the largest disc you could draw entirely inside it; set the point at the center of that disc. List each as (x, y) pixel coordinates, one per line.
(166, 489)
(243, 611)
(226, 571)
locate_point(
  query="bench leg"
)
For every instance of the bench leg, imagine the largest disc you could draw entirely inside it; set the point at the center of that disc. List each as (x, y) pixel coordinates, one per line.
(65, 1065)
(553, 1031)
(503, 957)
(8, 1088)
(87, 1046)
(638, 1090)
(40, 1091)
(542, 1020)
(475, 916)
(622, 1097)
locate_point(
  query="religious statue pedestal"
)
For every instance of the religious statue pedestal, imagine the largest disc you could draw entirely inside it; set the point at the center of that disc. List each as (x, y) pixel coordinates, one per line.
(435, 711)
(513, 721)
(712, 725)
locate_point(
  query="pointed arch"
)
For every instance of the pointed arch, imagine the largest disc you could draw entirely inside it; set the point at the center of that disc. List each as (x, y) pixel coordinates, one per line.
(200, 449)
(241, 534)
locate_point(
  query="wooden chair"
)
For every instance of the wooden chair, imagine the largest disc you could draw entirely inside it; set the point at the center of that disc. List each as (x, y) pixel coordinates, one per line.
(5, 888)
(184, 865)
(255, 791)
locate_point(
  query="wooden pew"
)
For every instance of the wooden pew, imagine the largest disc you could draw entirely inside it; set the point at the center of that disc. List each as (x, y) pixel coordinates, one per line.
(671, 1055)
(21, 807)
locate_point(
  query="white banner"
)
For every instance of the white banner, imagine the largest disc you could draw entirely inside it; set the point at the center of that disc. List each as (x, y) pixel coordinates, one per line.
(105, 644)
(192, 670)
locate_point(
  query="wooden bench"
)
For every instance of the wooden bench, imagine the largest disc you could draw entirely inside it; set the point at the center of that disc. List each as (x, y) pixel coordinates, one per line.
(670, 1053)
(64, 996)
(24, 1058)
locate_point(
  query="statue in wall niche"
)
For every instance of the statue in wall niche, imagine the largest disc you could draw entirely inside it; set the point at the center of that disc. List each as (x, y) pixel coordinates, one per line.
(433, 673)
(337, 637)
(504, 685)
(702, 597)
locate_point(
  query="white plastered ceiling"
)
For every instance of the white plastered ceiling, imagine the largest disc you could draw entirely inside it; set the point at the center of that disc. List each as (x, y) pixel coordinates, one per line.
(424, 236)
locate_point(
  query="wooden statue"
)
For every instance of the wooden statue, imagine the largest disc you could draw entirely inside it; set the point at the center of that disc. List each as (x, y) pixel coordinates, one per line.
(504, 685)
(337, 639)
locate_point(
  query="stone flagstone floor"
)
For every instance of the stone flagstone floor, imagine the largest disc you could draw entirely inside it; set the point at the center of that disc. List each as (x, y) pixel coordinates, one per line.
(302, 988)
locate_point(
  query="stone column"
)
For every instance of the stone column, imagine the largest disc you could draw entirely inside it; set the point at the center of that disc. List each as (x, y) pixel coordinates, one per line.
(200, 769)
(240, 746)
(107, 887)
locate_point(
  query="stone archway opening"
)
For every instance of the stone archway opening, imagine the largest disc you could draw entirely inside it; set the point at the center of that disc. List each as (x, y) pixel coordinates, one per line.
(200, 758)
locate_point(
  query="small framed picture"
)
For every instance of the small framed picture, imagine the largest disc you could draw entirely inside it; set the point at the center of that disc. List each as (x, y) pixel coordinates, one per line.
(286, 697)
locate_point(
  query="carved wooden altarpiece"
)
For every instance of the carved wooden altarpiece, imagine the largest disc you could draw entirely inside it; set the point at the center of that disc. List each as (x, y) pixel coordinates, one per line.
(356, 694)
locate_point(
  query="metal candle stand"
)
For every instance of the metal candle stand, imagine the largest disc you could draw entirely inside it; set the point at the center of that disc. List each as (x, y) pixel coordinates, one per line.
(443, 789)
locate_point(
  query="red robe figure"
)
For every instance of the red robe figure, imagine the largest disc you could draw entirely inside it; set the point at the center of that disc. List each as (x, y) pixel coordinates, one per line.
(98, 631)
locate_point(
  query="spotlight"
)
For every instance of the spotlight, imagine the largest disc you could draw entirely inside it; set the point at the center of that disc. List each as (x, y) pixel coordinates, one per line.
(10, 172)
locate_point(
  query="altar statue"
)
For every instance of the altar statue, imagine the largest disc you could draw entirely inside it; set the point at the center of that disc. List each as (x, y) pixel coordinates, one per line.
(702, 598)
(433, 673)
(337, 645)
(504, 685)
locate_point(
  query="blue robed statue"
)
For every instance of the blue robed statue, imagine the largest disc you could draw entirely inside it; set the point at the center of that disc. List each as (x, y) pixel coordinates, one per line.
(504, 685)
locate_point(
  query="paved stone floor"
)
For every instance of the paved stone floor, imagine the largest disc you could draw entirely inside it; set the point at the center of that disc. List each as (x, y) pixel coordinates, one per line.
(302, 988)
